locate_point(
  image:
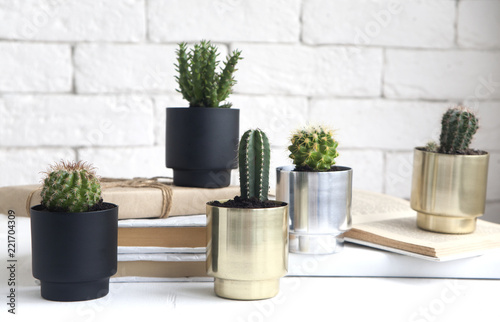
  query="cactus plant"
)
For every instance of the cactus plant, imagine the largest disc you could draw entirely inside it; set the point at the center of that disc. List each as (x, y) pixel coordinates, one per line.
(71, 187)
(457, 128)
(254, 157)
(199, 82)
(313, 148)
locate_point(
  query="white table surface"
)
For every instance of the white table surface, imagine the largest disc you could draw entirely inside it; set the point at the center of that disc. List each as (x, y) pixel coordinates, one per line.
(300, 299)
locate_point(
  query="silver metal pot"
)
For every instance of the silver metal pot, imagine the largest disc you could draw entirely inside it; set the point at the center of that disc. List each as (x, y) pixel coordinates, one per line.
(319, 207)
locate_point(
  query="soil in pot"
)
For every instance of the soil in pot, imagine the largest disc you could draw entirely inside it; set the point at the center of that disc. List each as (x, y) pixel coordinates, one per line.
(252, 203)
(307, 168)
(466, 152)
(97, 207)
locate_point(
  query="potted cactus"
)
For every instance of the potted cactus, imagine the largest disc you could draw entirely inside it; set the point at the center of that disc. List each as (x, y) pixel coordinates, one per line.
(247, 237)
(202, 140)
(319, 193)
(73, 235)
(449, 180)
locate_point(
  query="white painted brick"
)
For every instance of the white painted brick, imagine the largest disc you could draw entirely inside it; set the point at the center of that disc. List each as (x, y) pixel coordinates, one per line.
(488, 136)
(367, 165)
(493, 192)
(403, 23)
(160, 114)
(442, 74)
(127, 162)
(379, 123)
(303, 70)
(492, 212)
(112, 68)
(224, 20)
(275, 115)
(35, 67)
(398, 173)
(23, 166)
(479, 24)
(399, 167)
(64, 120)
(73, 20)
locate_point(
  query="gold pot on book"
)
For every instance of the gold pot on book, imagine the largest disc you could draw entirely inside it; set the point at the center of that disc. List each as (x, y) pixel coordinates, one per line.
(247, 250)
(448, 191)
(449, 180)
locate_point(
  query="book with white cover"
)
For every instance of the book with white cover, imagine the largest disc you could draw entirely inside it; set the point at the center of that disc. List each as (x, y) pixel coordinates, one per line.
(389, 223)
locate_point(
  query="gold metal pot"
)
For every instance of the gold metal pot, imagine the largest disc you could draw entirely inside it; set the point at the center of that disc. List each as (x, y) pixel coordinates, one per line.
(448, 191)
(247, 250)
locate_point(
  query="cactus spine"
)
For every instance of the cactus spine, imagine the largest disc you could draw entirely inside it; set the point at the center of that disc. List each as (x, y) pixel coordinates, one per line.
(254, 160)
(199, 82)
(457, 129)
(313, 148)
(71, 187)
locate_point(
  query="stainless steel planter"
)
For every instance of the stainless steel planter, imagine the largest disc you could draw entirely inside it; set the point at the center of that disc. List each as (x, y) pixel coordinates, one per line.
(319, 207)
(448, 191)
(247, 251)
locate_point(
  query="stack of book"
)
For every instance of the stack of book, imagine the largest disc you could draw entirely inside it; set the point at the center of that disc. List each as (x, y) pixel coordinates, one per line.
(164, 249)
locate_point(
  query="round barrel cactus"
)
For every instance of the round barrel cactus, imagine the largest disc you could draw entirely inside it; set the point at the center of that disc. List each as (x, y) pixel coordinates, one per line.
(313, 148)
(71, 187)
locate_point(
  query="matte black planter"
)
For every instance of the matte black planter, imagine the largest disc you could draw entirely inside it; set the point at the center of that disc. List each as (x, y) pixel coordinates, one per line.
(202, 145)
(74, 254)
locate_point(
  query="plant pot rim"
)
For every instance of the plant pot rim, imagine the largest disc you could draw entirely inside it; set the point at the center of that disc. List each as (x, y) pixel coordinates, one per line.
(423, 150)
(250, 209)
(291, 168)
(203, 108)
(37, 209)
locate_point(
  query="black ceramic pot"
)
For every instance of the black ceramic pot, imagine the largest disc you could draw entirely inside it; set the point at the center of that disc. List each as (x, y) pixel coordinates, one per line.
(202, 145)
(74, 254)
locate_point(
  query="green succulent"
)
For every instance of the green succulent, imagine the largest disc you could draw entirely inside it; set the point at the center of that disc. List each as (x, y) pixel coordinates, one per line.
(71, 187)
(313, 148)
(199, 82)
(254, 157)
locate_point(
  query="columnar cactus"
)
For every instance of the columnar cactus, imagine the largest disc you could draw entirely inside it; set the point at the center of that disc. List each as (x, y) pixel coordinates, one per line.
(198, 80)
(457, 128)
(313, 148)
(254, 160)
(71, 187)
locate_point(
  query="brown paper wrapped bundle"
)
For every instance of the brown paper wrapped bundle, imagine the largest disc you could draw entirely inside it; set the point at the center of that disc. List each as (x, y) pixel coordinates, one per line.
(137, 198)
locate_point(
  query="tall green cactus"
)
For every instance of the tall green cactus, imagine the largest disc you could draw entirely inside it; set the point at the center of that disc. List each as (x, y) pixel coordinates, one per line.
(457, 129)
(71, 187)
(199, 82)
(254, 161)
(313, 148)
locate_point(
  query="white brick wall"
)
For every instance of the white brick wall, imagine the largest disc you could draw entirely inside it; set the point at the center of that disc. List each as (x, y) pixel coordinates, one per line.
(35, 67)
(224, 20)
(485, 34)
(90, 80)
(402, 23)
(73, 20)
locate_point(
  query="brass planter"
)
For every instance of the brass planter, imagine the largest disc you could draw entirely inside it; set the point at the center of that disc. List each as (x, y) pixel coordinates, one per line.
(448, 191)
(247, 251)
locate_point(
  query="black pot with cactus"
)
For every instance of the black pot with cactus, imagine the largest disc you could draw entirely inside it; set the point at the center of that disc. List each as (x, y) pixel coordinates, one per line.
(73, 235)
(449, 179)
(202, 139)
(318, 191)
